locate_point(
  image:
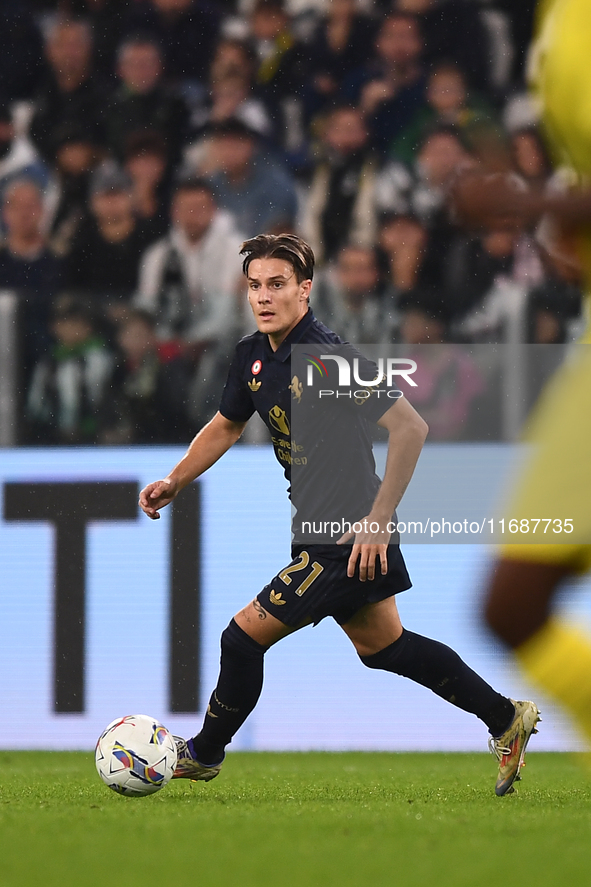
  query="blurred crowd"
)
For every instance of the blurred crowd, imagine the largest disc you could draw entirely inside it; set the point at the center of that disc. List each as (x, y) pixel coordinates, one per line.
(141, 141)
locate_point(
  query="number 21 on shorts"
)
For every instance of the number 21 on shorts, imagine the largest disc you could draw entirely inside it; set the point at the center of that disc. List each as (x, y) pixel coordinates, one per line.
(301, 564)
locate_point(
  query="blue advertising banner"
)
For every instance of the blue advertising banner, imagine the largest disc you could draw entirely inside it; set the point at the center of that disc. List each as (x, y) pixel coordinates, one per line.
(106, 613)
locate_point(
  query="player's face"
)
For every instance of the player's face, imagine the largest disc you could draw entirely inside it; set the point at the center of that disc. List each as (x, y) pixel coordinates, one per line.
(277, 299)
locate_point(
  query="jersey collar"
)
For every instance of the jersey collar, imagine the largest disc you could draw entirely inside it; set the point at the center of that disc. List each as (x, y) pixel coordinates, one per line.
(284, 351)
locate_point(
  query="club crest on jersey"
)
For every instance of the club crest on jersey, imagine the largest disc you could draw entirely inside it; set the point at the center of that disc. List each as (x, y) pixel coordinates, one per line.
(296, 388)
(256, 367)
(254, 385)
(279, 420)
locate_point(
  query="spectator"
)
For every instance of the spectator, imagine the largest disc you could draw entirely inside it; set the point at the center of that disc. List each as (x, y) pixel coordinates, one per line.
(339, 206)
(75, 157)
(189, 279)
(71, 93)
(531, 157)
(18, 157)
(229, 97)
(424, 319)
(255, 188)
(485, 279)
(106, 250)
(341, 43)
(20, 51)
(150, 387)
(141, 102)
(448, 380)
(349, 298)
(554, 307)
(233, 57)
(187, 30)
(447, 104)
(107, 18)
(281, 71)
(391, 87)
(454, 29)
(69, 399)
(522, 24)
(189, 282)
(409, 256)
(422, 189)
(27, 265)
(275, 46)
(147, 165)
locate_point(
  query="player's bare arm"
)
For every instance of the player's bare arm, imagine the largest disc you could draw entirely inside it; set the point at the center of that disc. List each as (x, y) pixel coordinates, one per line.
(406, 435)
(482, 198)
(207, 447)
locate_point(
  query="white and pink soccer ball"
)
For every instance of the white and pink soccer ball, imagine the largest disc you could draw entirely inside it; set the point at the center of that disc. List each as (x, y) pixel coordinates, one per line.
(135, 756)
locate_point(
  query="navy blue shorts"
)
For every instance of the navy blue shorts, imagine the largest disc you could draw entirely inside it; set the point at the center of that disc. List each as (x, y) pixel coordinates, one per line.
(315, 585)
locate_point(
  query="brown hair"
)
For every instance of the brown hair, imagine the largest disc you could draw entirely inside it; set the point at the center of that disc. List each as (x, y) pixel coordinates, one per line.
(145, 142)
(289, 247)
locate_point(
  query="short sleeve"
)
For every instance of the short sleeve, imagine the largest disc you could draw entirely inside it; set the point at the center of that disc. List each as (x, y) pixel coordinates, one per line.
(236, 403)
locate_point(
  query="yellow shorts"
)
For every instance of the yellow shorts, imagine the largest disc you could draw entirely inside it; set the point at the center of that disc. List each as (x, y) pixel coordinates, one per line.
(556, 481)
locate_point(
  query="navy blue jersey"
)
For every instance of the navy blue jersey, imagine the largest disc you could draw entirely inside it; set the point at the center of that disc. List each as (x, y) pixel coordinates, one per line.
(326, 454)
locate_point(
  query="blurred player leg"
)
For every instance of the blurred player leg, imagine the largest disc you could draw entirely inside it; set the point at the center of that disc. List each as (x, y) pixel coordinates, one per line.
(553, 654)
(557, 483)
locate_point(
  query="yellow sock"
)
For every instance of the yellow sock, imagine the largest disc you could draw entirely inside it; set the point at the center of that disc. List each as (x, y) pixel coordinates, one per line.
(558, 658)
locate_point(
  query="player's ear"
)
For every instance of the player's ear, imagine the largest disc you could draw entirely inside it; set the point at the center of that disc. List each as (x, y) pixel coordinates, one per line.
(306, 286)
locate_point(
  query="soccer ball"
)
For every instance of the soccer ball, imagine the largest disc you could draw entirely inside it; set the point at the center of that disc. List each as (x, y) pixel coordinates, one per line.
(135, 756)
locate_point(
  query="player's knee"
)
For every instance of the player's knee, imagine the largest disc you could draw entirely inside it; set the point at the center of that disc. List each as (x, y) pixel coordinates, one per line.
(519, 598)
(383, 657)
(370, 660)
(508, 624)
(235, 641)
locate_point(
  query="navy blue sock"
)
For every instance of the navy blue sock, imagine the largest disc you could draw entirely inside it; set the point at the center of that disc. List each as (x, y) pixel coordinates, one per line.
(439, 668)
(238, 688)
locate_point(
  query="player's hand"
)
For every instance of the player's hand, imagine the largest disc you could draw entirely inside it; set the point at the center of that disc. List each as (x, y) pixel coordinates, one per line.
(156, 495)
(369, 546)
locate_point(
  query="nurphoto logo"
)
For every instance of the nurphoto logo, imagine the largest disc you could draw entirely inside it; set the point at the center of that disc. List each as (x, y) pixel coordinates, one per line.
(394, 366)
(350, 374)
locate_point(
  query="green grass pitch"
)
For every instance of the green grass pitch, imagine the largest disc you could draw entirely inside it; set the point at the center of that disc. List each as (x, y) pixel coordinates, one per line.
(307, 820)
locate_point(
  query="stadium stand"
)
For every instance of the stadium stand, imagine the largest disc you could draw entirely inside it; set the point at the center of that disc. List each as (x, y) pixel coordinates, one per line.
(345, 121)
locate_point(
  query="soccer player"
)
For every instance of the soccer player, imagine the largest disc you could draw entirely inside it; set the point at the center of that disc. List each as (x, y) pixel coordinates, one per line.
(356, 582)
(557, 483)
